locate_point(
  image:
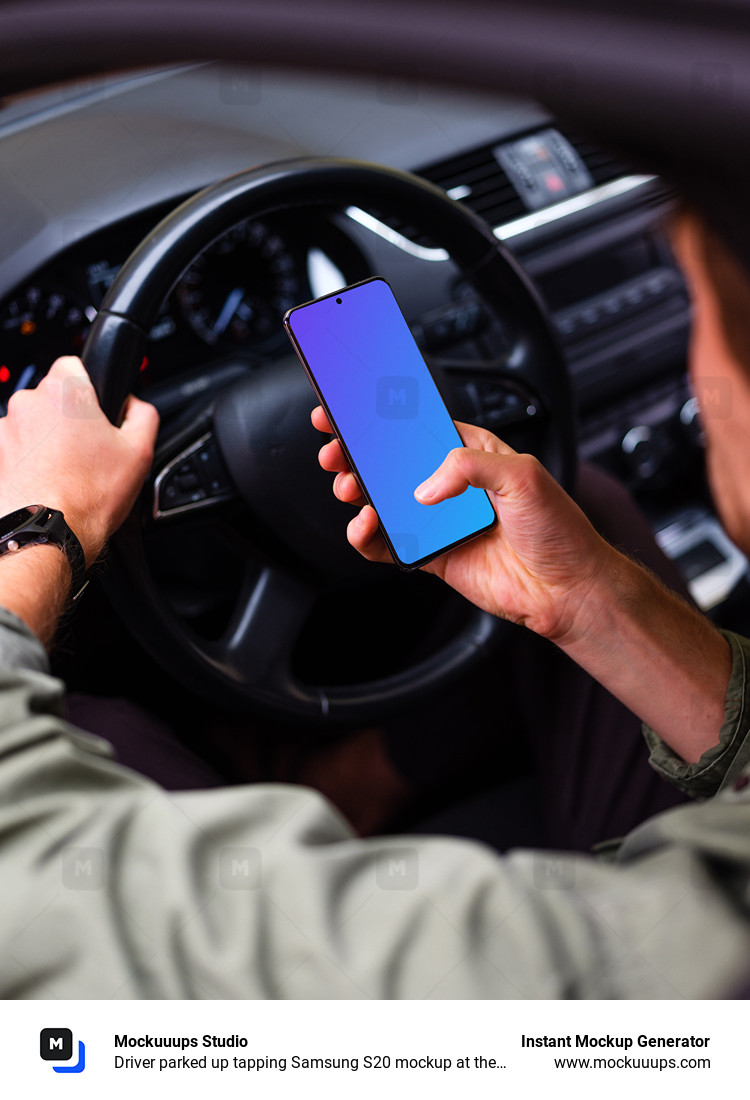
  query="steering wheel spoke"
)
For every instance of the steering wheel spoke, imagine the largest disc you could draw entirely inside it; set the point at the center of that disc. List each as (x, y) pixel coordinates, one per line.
(259, 641)
(195, 480)
(189, 478)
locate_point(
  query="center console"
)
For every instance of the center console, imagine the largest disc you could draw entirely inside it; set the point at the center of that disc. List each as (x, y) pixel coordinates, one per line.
(592, 235)
(622, 312)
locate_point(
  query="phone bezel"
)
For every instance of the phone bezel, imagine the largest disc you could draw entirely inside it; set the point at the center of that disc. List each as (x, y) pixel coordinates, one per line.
(407, 567)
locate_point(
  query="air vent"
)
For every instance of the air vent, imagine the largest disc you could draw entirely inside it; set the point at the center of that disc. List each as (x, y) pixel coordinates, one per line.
(478, 180)
(475, 179)
(602, 164)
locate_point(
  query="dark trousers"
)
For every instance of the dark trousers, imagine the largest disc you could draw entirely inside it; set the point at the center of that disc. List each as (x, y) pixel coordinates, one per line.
(527, 751)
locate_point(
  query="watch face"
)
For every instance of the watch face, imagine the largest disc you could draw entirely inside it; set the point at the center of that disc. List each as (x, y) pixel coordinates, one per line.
(14, 520)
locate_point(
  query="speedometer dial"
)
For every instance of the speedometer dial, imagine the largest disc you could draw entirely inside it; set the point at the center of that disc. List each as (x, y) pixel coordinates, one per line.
(36, 327)
(238, 290)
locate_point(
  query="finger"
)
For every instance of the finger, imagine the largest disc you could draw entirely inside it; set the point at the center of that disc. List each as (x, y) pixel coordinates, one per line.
(140, 421)
(364, 535)
(332, 458)
(68, 385)
(346, 488)
(498, 473)
(320, 419)
(70, 366)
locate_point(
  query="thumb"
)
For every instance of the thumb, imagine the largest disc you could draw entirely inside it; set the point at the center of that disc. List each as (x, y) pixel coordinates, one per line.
(463, 467)
(140, 422)
(507, 474)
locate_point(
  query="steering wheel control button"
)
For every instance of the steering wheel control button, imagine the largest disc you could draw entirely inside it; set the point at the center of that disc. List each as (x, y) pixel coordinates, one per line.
(187, 478)
(449, 326)
(194, 478)
(499, 403)
(213, 471)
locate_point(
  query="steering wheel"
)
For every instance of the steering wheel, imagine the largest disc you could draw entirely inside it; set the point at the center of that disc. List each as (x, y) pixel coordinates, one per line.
(252, 451)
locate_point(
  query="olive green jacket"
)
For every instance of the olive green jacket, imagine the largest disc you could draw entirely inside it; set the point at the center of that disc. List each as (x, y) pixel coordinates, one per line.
(114, 888)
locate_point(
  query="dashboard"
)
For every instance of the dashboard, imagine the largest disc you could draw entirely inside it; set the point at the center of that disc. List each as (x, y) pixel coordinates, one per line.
(228, 301)
(91, 169)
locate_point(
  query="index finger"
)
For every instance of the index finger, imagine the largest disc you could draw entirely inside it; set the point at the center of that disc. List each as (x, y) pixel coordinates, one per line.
(320, 419)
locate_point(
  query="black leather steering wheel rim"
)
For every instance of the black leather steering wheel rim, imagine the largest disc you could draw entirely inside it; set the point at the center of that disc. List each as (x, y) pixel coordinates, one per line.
(117, 344)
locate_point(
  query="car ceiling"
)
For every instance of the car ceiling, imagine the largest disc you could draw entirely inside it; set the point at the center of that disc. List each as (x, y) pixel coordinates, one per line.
(95, 154)
(666, 82)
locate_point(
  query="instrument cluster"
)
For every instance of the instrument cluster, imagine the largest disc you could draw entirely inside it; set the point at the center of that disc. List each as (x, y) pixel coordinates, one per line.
(228, 304)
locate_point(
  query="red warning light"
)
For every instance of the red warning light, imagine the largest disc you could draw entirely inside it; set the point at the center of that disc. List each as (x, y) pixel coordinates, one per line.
(4, 374)
(144, 364)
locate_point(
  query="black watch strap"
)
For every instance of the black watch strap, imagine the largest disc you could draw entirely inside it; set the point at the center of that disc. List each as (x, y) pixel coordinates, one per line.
(35, 525)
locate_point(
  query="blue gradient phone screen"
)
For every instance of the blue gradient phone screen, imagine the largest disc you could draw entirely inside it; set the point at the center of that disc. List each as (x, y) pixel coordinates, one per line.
(389, 414)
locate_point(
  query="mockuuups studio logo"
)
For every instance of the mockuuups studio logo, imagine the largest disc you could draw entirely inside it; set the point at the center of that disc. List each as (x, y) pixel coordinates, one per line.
(714, 397)
(56, 1045)
(240, 869)
(397, 869)
(553, 872)
(83, 869)
(397, 397)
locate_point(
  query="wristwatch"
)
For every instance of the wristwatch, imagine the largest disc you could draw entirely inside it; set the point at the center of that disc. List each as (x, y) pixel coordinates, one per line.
(37, 524)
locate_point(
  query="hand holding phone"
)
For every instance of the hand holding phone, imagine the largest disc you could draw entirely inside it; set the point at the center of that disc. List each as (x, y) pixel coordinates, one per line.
(391, 422)
(538, 566)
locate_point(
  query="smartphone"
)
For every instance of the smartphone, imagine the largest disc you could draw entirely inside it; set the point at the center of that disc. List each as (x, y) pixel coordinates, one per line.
(389, 416)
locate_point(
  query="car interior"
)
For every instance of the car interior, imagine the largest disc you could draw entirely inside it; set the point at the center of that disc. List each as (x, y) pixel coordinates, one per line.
(231, 598)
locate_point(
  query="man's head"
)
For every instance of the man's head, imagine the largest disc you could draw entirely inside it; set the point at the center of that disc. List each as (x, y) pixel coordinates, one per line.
(719, 363)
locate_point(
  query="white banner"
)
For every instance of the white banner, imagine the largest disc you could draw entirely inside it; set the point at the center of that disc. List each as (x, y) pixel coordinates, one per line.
(372, 1049)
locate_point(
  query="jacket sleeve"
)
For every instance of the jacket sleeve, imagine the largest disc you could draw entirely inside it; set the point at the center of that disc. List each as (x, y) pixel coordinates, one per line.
(720, 765)
(113, 887)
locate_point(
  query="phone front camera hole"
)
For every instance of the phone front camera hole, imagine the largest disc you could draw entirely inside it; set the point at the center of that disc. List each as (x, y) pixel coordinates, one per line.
(338, 301)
